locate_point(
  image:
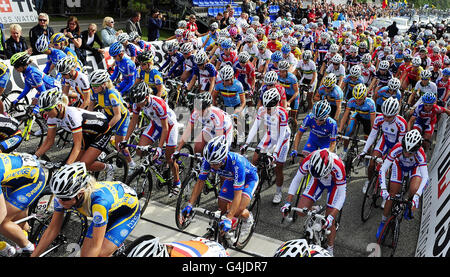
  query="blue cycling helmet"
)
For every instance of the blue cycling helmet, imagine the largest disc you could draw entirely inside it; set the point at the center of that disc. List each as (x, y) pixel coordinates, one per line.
(446, 72)
(277, 56)
(286, 49)
(429, 98)
(115, 49)
(321, 110)
(226, 44)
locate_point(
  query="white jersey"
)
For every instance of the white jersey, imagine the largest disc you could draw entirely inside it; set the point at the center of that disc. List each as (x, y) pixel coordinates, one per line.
(262, 58)
(338, 72)
(367, 73)
(197, 247)
(80, 83)
(431, 87)
(76, 120)
(253, 50)
(291, 59)
(213, 119)
(392, 132)
(156, 110)
(307, 69)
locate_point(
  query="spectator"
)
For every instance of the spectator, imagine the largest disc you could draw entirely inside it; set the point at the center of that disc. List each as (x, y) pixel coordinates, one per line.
(38, 30)
(108, 34)
(392, 30)
(16, 43)
(154, 25)
(89, 37)
(218, 18)
(192, 25)
(242, 19)
(133, 24)
(246, 6)
(38, 5)
(73, 34)
(2, 41)
(224, 22)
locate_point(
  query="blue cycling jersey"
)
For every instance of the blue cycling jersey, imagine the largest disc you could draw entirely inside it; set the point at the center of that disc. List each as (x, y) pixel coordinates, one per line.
(336, 94)
(204, 74)
(365, 110)
(288, 83)
(327, 130)
(174, 59)
(236, 168)
(129, 74)
(351, 84)
(398, 59)
(132, 50)
(384, 94)
(34, 78)
(230, 94)
(4, 78)
(53, 58)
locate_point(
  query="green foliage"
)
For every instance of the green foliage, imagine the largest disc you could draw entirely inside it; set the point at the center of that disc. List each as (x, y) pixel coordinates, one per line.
(139, 5)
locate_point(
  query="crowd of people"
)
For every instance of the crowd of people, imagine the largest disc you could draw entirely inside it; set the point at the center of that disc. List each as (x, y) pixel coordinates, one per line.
(341, 76)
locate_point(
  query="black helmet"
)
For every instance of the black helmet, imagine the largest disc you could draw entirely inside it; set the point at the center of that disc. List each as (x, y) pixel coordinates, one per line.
(145, 57)
(205, 99)
(138, 92)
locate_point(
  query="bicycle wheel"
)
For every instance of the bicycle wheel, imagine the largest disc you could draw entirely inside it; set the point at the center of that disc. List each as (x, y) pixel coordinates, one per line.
(254, 208)
(369, 199)
(142, 183)
(8, 98)
(121, 172)
(183, 197)
(185, 163)
(70, 238)
(302, 187)
(43, 208)
(390, 234)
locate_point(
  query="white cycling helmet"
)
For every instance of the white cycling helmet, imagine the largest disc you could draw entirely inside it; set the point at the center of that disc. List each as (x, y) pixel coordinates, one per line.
(412, 141)
(201, 57)
(186, 48)
(69, 180)
(283, 65)
(271, 98)
(216, 150)
(226, 73)
(98, 77)
(182, 24)
(425, 74)
(390, 107)
(337, 58)
(293, 248)
(384, 65)
(270, 77)
(394, 83)
(416, 61)
(65, 65)
(243, 57)
(355, 71)
(366, 58)
(321, 163)
(123, 37)
(318, 251)
(42, 43)
(149, 247)
(334, 48)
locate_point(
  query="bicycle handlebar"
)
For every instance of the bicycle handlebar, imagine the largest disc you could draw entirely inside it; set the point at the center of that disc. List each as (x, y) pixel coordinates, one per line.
(350, 138)
(210, 214)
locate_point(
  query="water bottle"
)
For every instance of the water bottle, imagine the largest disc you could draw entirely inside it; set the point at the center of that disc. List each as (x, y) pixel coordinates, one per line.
(6, 250)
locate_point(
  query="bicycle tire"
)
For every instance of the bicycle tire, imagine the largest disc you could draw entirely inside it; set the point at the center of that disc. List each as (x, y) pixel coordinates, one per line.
(387, 237)
(35, 140)
(186, 164)
(369, 199)
(8, 97)
(121, 173)
(142, 183)
(302, 187)
(135, 243)
(42, 205)
(182, 199)
(73, 231)
(254, 208)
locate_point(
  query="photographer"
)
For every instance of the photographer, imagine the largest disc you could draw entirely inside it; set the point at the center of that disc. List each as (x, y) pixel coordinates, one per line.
(155, 23)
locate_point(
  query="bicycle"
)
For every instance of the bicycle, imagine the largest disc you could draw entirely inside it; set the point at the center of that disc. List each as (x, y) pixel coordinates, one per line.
(352, 152)
(8, 97)
(390, 233)
(112, 156)
(211, 185)
(265, 166)
(141, 180)
(303, 101)
(177, 97)
(372, 194)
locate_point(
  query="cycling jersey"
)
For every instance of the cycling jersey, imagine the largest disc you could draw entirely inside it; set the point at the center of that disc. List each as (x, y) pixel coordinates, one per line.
(383, 78)
(146, 46)
(229, 59)
(277, 132)
(352, 60)
(322, 51)
(34, 78)
(128, 70)
(335, 183)
(288, 83)
(79, 82)
(198, 247)
(173, 60)
(413, 73)
(321, 135)
(350, 83)
(340, 71)
(367, 73)
(274, 45)
(442, 87)
(22, 178)
(398, 59)
(336, 94)
(392, 132)
(132, 50)
(252, 50)
(239, 174)
(4, 75)
(307, 42)
(204, 75)
(245, 74)
(384, 93)
(156, 110)
(263, 57)
(71, 53)
(280, 89)
(230, 94)
(213, 120)
(113, 204)
(426, 121)
(10, 134)
(364, 110)
(306, 69)
(290, 58)
(153, 78)
(53, 58)
(109, 99)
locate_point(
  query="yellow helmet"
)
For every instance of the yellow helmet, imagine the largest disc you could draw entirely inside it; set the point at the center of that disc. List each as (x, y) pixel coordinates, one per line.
(329, 80)
(359, 91)
(419, 42)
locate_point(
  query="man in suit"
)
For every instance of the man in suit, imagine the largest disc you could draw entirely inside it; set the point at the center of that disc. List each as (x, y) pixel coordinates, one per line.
(133, 25)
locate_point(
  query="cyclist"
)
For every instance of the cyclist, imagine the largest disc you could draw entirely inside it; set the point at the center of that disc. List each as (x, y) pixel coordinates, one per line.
(289, 57)
(271, 81)
(424, 85)
(337, 68)
(240, 182)
(327, 172)
(323, 130)
(10, 134)
(90, 130)
(22, 180)
(4, 79)
(33, 77)
(321, 50)
(131, 49)
(73, 78)
(381, 78)
(124, 66)
(406, 64)
(352, 59)
(308, 71)
(61, 42)
(150, 246)
(443, 86)
(107, 97)
(406, 156)
(412, 74)
(214, 122)
(275, 58)
(391, 90)
(172, 58)
(263, 57)
(300, 248)
(393, 128)
(53, 54)
(251, 47)
(290, 84)
(363, 111)
(351, 80)
(368, 70)
(150, 75)
(244, 71)
(224, 55)
(274, 44)
(231, 90)
(424, 117)
(206, 74)
(113, 206)
(163, 126)
(276, 138)
(331, 92)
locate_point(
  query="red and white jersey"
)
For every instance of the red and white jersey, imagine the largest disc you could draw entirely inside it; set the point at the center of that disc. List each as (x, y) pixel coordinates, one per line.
(212, 118)
(393, 131)
(274, 121)
(157, 110)
(337, 175)
(396, 154)
(368, 72)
